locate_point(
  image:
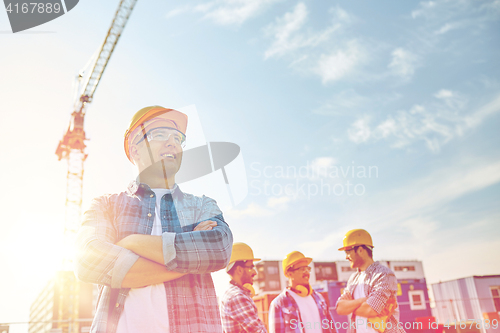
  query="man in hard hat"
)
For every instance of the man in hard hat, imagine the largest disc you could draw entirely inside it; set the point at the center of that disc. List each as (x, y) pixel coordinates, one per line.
(152, 248)
(299, 308)
(238, 310)
(370, 296)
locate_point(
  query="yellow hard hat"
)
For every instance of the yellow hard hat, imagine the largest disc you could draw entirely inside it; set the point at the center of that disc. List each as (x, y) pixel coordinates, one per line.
(356, 237)
(176, 119)
(241, 252)
(294, 258)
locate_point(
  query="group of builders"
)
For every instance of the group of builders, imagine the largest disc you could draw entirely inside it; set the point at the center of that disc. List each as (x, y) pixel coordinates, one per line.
(369, 298)
(152, 249)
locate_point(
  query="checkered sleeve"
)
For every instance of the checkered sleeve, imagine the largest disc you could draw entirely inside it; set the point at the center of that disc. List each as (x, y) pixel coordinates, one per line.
(98, 260)
(276, 320)
(384, 285)
(346, 294)
(243, 310)
(203, 251)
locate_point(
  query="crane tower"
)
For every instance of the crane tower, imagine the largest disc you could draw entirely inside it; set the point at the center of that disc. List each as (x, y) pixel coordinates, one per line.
(72, 146)
(67, 311)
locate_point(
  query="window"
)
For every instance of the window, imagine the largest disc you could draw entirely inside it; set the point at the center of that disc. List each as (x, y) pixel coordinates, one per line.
(274, 285)
(495, 293)
(272, 270)
(348, 269)
(325, 271)
(417, 299)
(404, 268)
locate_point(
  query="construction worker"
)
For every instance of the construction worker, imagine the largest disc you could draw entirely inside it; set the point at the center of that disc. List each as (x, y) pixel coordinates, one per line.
(238, 310)
(299, 308)
(369, 298)
(151, 249)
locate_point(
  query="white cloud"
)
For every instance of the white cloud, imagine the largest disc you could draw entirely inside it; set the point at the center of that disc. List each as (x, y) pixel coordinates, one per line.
(289, 37)
(252, 210)
(435, 124)
(403, 63)
(283, 29)
(445, 28)
(480, 115)
(178, 11)
(410, 217)
(425, 7)
(272, 207)
(349, 100)
(278, 202)
(229, 12)
(340, 63)
(345, 100)
(226, 12)
(318, 247)
(320, 166)
(444, 93)
(314, 51)
(360, 130)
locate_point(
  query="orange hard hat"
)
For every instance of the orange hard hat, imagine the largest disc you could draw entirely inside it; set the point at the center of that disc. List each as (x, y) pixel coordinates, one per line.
(294, 258)
(153, 114)
(356, 237)
(241, 252)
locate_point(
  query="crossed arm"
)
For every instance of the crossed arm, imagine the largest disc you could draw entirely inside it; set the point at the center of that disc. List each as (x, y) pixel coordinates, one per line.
(347, 305)
(384, 287)
(149, 269)
(141, 260)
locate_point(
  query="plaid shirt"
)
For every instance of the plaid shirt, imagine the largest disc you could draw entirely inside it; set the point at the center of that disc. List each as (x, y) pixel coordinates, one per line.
(380, 284)
(239, 313)
(191, 299)
(284, 314)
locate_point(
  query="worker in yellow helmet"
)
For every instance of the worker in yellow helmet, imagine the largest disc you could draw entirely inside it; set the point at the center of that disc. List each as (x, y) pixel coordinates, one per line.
(238, 310)
(369, 298)
(152, 248)
(299, 308)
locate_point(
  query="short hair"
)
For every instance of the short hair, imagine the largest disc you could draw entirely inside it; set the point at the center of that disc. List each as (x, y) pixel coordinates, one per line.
(238, 263)
(369, 250)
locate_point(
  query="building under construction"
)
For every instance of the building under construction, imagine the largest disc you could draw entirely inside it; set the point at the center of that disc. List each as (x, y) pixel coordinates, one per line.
(65, 305)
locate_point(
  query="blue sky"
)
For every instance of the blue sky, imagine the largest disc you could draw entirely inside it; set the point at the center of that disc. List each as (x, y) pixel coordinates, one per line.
(409, 90)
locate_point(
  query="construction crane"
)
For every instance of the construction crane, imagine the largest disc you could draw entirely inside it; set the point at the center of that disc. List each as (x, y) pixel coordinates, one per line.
(72, 148)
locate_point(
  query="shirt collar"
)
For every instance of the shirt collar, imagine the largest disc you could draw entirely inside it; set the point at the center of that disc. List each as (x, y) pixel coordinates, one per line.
(370, 268)
(237, 285)
(137, 188)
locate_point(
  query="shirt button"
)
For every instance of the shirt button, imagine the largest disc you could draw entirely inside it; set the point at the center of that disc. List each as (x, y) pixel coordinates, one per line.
(117, 304)
(149, 214)
(152, 195)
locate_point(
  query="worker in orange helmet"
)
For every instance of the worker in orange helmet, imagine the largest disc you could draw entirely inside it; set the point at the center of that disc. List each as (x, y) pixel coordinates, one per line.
(238, 310)
(369, 298)
(299, 308)
(151, 249)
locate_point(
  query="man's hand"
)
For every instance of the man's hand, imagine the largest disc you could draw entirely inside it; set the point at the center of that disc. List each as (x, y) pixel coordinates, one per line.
(365, 310)
(346, 296)
(150, 247)
(346, 305)
(146, 246)
(205, 225)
